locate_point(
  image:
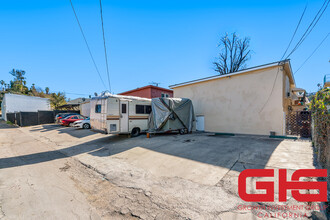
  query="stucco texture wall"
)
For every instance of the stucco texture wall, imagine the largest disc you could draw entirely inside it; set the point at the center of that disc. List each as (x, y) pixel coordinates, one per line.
(234, 104)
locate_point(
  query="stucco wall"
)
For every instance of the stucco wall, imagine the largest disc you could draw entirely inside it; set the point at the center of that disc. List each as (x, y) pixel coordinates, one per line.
(233, 104)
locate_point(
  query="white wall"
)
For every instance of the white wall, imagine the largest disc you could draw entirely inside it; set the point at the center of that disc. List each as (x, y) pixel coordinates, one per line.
(235, 104)
(98, 120)
(85, 109)
(16, 103)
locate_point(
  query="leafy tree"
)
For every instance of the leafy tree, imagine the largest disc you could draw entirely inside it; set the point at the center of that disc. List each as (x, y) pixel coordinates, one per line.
(18, 85)
(234, 53)
(57, 99)
(3, 85)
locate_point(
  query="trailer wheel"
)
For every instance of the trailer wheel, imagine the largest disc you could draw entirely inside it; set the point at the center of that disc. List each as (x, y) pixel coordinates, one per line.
(182, 131)
(135, 132)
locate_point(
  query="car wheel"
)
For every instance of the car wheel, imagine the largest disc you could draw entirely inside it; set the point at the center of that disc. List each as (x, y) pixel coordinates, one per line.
(135, 132)
(86, 126)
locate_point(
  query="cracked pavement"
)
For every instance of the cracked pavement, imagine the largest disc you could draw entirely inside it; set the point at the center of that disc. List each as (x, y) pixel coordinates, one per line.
(48, 170)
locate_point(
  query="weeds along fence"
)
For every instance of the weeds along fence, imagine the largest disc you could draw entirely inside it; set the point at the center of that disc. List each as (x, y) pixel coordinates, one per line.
(320, 107)
(320, 126)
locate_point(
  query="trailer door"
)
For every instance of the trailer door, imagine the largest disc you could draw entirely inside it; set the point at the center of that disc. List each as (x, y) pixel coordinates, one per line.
(124, 116)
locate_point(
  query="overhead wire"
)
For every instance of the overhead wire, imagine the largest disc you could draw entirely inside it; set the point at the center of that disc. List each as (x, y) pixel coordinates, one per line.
(294, 34)
(70, 93)
(312, 53)
(311, 26)
(271, 92)
(301, 40)
(278, 70)
(89, 50)
(105, 48)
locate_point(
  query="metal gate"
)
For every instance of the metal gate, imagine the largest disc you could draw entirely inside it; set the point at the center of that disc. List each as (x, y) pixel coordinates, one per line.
(299, 123)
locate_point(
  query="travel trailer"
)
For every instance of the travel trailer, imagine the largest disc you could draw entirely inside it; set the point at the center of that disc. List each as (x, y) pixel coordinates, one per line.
(118, 114)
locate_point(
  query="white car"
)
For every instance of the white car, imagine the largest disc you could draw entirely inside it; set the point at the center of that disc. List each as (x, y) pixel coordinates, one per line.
(82, 124)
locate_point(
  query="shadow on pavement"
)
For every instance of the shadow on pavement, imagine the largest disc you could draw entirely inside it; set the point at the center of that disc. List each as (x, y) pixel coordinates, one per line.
(217, 151)
(75, 132)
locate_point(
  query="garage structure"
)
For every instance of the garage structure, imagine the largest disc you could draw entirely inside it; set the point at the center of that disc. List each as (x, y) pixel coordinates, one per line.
(251, 101)
(22, 103)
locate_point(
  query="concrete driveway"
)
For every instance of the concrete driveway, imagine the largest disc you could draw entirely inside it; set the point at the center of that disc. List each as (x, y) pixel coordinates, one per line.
(174, 176)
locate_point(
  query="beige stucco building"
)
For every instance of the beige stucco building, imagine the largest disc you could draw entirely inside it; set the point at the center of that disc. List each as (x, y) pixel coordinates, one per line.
(251, 101)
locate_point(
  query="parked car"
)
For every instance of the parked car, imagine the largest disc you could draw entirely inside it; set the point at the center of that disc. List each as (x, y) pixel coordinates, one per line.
(60, 116)
(69, 120)
(82, 124)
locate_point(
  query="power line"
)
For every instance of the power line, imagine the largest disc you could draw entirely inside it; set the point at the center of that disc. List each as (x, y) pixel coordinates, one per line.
(304, 36)
(313, 52)
(317, 20)
(311, 26)
(271, 92)
(278, 70)
(294, 34)
(76, 94)
(105, 49)
(89, 50)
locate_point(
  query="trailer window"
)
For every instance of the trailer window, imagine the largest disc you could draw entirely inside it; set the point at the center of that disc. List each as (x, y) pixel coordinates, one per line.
(123, 108)
(98, 108)
(142, 109)
(139, 109)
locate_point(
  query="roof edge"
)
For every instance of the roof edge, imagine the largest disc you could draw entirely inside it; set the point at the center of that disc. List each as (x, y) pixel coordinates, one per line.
(144, 87)
(264, 66)
(109, 95)
(29, 96)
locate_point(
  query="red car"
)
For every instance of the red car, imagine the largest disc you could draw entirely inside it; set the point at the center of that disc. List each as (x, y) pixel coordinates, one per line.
(68, 121)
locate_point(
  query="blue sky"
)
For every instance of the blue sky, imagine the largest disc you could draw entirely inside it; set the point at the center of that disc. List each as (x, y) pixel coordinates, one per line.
(162, 41)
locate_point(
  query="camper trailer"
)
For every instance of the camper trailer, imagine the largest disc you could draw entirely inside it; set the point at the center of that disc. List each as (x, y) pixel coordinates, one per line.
(118, 114)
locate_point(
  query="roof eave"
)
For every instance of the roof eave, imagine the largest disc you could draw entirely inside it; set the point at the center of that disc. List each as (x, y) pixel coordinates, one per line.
(279, 63)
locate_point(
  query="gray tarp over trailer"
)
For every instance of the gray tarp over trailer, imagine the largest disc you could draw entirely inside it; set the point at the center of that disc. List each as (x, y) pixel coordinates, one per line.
(170, 114)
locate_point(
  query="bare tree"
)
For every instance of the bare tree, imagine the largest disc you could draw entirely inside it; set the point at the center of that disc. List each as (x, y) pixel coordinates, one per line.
(233, 55)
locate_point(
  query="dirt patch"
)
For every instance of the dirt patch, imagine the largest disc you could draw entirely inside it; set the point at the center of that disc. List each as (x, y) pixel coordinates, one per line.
(114, 202)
